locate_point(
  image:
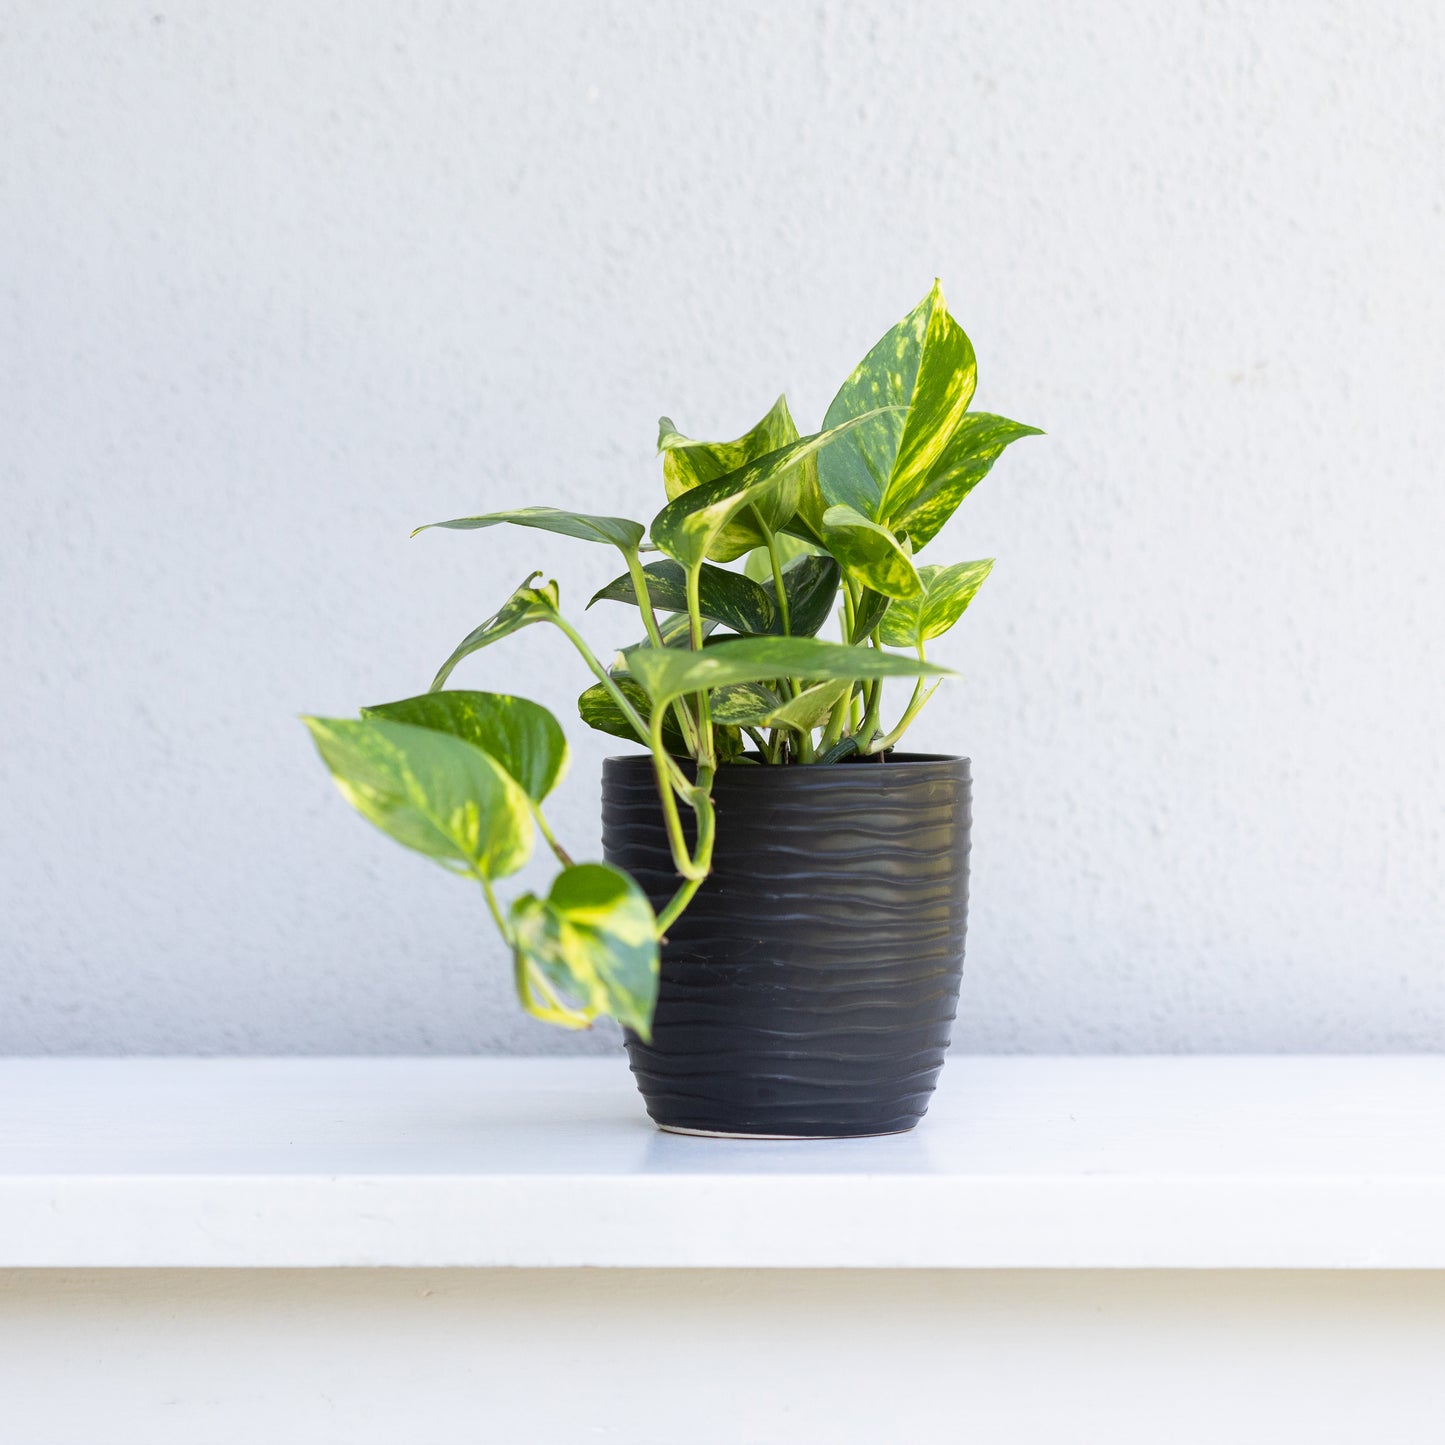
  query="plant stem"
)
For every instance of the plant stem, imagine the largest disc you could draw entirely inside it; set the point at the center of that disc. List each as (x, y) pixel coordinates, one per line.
(706, 756)
(915, 706)
(634, 718)
(783, 609)
(654, 636)
(702, 862)
(561, 854)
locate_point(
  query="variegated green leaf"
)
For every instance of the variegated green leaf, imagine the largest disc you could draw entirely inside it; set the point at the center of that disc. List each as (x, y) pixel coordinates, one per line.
(429, 790)
(667, 672)
(598, 709)
(525, 606)
(871, 554)
(750, 704)
(520, 735)
(619, 532)
(759, 566)
(924, 368)
(730, 598)
(910, 469)
(592, 943)
(811, 583)
(947, 591)
(687, 464)
(689, 528)
(921, 503)
(745, 704)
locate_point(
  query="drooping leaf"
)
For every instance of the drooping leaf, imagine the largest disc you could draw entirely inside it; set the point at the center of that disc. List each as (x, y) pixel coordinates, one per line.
(811, 583)
(525, 606)
(871, 553)
(429, 790)
(921, 503)
(690, 527)
(947, 591)
(924, 363)
(620, 532)
(667, 673)
(598, 709)
(520, 735)
(870, 611)
(593, 939)
(687, 464)
(730, 598)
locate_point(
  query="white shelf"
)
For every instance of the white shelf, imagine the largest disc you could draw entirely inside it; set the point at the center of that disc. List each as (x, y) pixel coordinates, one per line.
(1122, 1163)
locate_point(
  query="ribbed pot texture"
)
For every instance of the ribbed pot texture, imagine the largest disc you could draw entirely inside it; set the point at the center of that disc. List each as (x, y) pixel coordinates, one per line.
(810, 988)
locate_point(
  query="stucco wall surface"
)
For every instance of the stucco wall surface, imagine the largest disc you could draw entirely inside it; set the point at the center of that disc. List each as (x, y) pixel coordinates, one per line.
(279, 282)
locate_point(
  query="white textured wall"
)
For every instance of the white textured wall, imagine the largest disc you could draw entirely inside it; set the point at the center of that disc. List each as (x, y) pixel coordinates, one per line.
(278, 282)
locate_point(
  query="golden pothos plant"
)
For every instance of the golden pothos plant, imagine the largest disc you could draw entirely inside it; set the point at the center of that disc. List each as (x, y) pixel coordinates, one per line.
(730, 671)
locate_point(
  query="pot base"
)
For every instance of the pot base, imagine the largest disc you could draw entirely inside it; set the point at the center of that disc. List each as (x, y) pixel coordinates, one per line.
(794, 1138)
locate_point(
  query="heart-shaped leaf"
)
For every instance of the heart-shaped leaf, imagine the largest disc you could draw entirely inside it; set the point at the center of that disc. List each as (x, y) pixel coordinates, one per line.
(667, 673)
(730, 598)
(429, 790)
(871, 554)
(525, 606)
(924, 365)
(520, 735)
(909, 469)
(947, 591)
(619, 532)
(687, 464)
(593, 940)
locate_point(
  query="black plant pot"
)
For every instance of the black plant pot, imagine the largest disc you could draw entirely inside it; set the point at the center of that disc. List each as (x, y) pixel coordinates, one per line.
(809, 989)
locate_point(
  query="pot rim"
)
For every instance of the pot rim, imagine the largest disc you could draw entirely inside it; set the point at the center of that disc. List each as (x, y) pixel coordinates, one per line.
(845, 774)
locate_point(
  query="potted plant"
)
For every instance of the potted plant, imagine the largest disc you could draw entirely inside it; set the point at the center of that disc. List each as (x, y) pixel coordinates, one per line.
(778, 924)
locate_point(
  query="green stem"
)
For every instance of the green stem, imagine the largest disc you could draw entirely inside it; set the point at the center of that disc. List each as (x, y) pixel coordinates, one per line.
(559, 852)
(633, 717)
(706, 756)
(668, 793)
(773, 556)
(915, 706)
(654, 636)
(702, 861)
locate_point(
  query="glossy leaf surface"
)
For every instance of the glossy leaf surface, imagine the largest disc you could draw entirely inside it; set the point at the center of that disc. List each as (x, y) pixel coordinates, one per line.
(519, 734)
(525, 606)
(687, 464)
(921, 504)
(598, 709)
(811, 583)
(911, 468)
(429, 790)
(593, 938)
(690, 528)
(667, 673)
(947, 593)
(617, 531)
(730, 598)
(871, 554)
